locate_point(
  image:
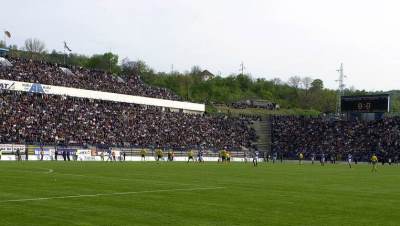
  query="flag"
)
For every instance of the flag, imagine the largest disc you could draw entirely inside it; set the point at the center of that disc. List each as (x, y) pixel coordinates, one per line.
(66, 47)
(7, 33)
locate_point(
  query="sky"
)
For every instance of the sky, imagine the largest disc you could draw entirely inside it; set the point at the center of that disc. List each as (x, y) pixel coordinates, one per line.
(274, 39)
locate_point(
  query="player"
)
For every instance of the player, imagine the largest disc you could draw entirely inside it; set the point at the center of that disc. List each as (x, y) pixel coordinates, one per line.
(268, 157)
(113, 156)
(51, 154)
(102, 156)
(274, 157)
(223, 155)
(17, 155)
(77, 156)
(200, 156)
(374, 161)
(143, 153)
(228, 156)
(41, 153)
(109, 156)
(301, 156)
(322, 160)
(312, 158)
(333, 158)
(190, 156)
(169, 154)
(123, 155)
(26, 155)
(160, 154)
(349, 159)
(255, 158)
(64, 155)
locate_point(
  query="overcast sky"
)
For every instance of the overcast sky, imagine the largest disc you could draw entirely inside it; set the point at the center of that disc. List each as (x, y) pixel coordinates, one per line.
(278, 38)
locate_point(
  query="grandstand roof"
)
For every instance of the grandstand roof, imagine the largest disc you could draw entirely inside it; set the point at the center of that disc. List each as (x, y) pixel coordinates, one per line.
(4, 62)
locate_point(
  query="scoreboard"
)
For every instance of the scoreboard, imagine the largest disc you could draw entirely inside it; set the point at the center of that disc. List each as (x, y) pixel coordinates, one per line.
(366, 104)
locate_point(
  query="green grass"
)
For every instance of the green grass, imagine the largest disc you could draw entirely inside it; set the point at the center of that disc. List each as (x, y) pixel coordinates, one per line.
(280, 194)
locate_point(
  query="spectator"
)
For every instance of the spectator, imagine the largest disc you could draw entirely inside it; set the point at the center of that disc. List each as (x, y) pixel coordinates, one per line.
(25, 70)
(336, 138)
(50, 119)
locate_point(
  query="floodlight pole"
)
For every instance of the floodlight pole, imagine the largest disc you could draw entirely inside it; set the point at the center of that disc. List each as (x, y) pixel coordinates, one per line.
(242, 68)
(64, 56)
(340, 89)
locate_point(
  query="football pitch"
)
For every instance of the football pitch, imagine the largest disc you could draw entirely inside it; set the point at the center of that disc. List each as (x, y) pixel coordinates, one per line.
(136, 193)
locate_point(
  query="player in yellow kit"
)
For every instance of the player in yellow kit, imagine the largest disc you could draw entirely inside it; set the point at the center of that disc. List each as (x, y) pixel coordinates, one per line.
(159, 155)
(228, 156)
(374, 161)
(190, 156)
(143, 153)
(301, 157)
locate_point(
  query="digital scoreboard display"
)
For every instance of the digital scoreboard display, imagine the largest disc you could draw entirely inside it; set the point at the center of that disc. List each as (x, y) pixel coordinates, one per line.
(366, 104)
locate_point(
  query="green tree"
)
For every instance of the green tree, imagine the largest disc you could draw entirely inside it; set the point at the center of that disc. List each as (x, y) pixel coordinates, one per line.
(107, 62)
(317, 84)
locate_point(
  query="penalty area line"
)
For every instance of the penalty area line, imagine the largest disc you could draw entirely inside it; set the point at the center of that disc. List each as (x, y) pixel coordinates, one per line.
(49, 171)
(111, 194)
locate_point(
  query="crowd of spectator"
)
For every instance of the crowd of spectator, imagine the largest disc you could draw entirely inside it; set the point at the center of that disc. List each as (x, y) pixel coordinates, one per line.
(27, 70)
(51, 119)
(336, 138)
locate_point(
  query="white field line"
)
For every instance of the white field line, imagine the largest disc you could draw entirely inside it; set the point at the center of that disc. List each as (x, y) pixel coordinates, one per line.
(29, 170)
(111, 194)
(49, 171)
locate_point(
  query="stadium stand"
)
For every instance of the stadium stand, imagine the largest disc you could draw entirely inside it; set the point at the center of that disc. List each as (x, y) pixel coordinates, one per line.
(42, 72)
(292, 134)
(50, 119)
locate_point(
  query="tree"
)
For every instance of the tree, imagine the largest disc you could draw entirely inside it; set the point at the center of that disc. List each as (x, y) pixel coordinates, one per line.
(277, 81)
(34, 45)
(2, 44)
(306, 82)
(294, 82)
(138, 67)
(195, 70)
(106, 62)
(244, 81)
(317, 84)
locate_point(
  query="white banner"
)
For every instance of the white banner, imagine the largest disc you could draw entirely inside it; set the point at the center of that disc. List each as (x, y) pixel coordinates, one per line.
(84, 93)
(12, 148)
(84, 155)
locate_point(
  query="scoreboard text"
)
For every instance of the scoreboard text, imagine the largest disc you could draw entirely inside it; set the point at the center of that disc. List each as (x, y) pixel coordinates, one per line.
(367, 104)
